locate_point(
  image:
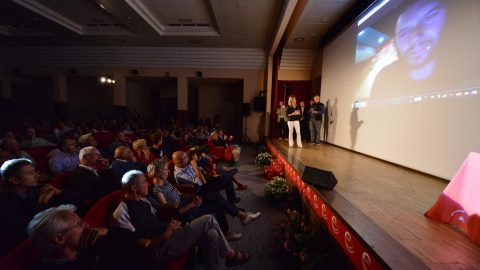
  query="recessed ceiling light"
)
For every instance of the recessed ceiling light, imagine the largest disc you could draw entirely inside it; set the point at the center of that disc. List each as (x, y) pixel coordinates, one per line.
(299, 39)
(195, 41)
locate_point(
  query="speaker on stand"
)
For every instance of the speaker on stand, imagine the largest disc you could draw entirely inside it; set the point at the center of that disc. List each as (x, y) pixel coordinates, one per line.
(245, 113)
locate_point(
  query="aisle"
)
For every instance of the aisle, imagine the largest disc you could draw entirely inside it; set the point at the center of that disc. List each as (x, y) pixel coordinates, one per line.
(258, 237)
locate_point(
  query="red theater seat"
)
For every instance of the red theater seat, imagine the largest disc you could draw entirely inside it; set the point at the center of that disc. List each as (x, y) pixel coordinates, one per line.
(217, 152)
(39, 155)
(99, 214)
(23, 257)
(58, 181)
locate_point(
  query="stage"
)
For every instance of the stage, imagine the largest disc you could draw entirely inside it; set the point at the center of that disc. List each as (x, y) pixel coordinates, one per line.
(375, 212)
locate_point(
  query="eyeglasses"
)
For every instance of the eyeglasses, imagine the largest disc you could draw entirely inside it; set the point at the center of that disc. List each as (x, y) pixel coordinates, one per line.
(80, 223)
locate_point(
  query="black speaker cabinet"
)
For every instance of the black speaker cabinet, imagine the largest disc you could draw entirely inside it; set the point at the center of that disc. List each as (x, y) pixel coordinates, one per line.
(319, 178)
(245, 109)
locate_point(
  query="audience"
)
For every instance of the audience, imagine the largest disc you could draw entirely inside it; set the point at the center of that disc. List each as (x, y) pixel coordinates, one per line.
(120, 140)
(125, 161)
(171, 240)
(187, 171)
(192, 206)
(142, 152)
(64, 158)
(11, 149)
(67, 243)
(84, 180)
(157, 141)
(31, 140)
(88, 180)
(21, 200)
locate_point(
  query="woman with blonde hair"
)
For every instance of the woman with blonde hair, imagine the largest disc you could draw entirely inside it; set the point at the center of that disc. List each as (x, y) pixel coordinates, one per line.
(142, 152)
(294, 114)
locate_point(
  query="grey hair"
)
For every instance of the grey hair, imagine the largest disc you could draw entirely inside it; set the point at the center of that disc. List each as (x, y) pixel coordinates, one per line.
(130, 178)
(46, 224)
(87, 150)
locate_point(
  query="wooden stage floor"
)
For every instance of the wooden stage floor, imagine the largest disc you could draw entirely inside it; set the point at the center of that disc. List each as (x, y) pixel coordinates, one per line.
(384, 204)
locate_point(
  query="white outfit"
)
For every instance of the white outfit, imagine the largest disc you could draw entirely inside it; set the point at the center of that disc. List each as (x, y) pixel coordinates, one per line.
(291, 126)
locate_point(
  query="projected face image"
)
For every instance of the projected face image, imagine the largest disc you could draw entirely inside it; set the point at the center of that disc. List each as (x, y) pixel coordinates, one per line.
(418, 30)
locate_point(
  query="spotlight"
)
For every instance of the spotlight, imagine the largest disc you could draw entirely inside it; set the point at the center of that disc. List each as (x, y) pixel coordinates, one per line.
(103, 79)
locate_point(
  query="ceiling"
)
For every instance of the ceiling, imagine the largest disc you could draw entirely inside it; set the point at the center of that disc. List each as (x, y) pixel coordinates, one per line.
(166, 23)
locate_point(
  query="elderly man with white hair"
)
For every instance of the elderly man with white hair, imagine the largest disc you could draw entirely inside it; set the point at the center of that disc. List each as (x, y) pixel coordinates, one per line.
(87, 181)
(171, 240)
(67, 243)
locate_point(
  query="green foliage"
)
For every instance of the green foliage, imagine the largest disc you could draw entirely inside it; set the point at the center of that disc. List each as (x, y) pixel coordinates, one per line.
(277, 190)
(263, 159)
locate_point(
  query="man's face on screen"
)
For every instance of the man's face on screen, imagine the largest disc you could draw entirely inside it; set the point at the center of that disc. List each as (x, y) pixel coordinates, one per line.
(418, 30)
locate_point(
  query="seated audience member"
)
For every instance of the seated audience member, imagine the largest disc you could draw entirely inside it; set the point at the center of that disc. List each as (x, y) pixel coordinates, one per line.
(65, 157)
(120, 140)
(206, 162)
(171, 240)
(169, 143)
(21, 200)
(142, 153)
(157, 141)
(66, 242)
(32, 140)
(227, 141)
(187, 171)
(89, 140)
(124, 161)
(11, 150)
(191, 206)
(87, 180)
(62, 130)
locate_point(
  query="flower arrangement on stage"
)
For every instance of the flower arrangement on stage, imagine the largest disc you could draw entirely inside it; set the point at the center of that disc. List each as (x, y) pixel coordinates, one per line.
(278, 190)
(263, 159)
(303, 241)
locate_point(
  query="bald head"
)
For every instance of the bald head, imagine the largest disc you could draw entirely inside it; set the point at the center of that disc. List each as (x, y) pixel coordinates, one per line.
(124, 153)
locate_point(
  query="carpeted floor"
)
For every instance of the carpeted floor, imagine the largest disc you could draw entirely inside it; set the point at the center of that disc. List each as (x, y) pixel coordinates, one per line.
(258, 237)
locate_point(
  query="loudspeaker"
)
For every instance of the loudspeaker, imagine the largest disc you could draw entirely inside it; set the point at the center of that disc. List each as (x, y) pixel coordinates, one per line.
(319, 178)
(245, 109)
(199, 74)
(259, 104)
(134, 71)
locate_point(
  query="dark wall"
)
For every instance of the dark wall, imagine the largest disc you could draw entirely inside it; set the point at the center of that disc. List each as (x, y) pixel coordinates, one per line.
(87, 97)
(32, 96)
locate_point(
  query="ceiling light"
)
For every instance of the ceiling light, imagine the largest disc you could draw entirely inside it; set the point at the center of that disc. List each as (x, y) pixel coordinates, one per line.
(107, 79)
(299, 39)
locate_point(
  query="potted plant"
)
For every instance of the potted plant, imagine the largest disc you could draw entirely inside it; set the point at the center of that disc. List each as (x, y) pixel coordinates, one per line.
(263, 159)
(278, 190)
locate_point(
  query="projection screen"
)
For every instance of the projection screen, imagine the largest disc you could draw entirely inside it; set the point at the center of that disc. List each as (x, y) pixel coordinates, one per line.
(403, 83)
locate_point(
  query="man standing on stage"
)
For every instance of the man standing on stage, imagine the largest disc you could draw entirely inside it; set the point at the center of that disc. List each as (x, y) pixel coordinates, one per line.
(304, 120)
(281, 120)
(316, 111)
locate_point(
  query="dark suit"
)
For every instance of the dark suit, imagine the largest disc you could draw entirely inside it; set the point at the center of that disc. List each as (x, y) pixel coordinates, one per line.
(304, 123)
(120, 167)
(88, 186)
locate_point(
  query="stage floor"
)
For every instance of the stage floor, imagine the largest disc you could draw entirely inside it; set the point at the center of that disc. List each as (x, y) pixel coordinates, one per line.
(383, 202)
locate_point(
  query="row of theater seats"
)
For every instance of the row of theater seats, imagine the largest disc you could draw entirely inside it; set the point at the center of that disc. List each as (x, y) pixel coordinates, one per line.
(26, 257)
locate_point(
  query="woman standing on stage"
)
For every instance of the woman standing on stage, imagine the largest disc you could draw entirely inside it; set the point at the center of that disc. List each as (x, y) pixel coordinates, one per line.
(294, 115)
